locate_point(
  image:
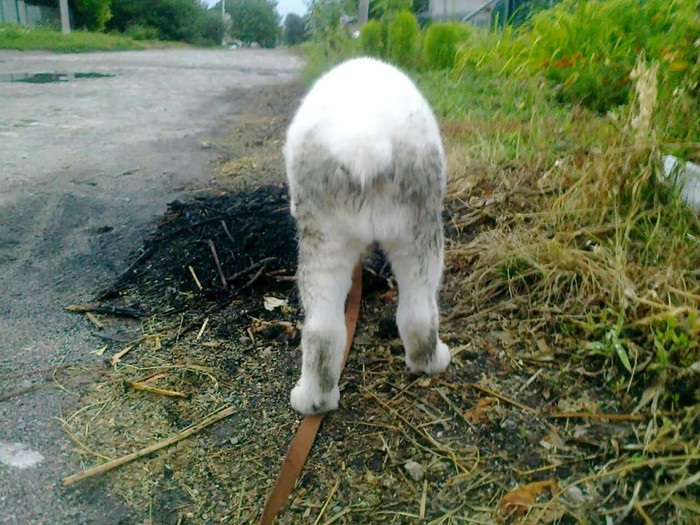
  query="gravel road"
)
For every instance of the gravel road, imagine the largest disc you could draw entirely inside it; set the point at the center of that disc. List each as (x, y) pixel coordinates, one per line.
(86, 167)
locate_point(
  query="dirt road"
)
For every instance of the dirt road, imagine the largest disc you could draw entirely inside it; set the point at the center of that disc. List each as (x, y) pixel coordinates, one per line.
(86, 165)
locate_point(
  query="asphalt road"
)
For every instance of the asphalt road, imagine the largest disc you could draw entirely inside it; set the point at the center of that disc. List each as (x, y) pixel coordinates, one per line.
(85, 168)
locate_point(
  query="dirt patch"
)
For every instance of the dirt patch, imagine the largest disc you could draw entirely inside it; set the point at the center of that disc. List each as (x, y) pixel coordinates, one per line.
(401, 448)
(253, 151)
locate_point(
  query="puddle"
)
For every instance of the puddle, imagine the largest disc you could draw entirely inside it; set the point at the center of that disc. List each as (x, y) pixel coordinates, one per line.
(46, 78)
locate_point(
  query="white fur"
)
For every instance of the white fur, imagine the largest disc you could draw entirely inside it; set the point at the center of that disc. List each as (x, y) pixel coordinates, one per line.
(365, 163)
(356, 108)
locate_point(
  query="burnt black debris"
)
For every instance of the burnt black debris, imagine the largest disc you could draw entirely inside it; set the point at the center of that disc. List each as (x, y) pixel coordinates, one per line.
(254, 238)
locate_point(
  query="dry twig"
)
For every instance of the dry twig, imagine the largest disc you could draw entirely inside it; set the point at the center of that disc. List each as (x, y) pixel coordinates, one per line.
(212, 418)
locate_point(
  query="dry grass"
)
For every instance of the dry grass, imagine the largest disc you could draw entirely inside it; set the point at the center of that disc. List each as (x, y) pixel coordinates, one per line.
(589, 252)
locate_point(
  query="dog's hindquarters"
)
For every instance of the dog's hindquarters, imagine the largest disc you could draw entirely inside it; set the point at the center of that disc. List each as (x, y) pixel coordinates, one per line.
(342, 204)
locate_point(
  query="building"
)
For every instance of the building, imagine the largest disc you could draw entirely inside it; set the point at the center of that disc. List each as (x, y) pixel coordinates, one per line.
(459, 9)
(28, 12)
(487, 12)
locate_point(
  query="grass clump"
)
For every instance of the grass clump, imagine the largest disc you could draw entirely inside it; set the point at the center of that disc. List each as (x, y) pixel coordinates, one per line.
(141, 32)
(34, 38)
(402, 38)
(372, 39)
(440, 44)
(321, 55)
(602, 239)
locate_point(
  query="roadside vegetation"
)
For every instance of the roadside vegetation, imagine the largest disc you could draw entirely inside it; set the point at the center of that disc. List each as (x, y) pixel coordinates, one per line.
(24, 38)
(171, 20)
(134, 24)
(564, 232)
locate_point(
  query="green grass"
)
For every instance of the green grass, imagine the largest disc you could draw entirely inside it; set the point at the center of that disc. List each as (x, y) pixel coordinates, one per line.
(40, 38)
(585, 53)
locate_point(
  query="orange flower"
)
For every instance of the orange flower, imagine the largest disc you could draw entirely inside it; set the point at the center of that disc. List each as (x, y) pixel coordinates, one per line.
(562, 62)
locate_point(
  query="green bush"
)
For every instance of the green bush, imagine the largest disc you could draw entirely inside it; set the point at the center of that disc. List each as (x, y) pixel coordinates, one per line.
(13, 36)
(141, 32)
(321, 55)
(211, 29)
(401, 43)
(181, 20)
(92, 14)
(371, 39)
(440, 44)
(588, 49)
(254, 21)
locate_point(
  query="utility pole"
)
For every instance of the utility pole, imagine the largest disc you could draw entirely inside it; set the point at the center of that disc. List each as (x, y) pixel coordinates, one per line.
(223, 20)
(364, 12)
(65, 22)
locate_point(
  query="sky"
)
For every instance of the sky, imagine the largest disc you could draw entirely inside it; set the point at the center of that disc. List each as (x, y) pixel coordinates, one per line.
(283, 6)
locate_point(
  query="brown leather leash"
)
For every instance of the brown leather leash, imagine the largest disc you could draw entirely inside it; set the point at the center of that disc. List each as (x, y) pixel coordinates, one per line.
(306, 433)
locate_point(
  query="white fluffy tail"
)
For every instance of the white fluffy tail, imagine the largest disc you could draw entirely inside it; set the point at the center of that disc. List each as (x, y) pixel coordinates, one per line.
(365, 155)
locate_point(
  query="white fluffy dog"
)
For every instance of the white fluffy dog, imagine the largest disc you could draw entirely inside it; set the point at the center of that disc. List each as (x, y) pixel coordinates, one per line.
(365, 164)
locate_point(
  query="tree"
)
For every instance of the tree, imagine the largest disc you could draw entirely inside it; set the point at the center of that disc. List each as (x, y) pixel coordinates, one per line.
(92, 14)
(185, 20)
(388, 8)
(294, 30)
(254, 21)
(325, 16)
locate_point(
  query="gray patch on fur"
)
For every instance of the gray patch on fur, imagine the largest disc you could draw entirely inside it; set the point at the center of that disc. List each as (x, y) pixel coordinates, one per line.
(425, 348)
(317, 408)
(320, 347)
(416, 179)
(323, 368)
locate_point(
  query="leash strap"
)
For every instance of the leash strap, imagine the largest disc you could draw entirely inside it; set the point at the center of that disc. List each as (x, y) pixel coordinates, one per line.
(301, 444)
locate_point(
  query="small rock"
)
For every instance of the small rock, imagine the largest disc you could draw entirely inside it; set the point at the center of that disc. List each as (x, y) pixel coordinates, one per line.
(575, 494)
(205, 145)
(424, 382)
(234, 440)
(415, 470)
